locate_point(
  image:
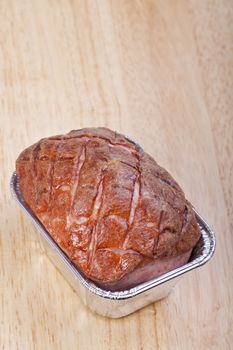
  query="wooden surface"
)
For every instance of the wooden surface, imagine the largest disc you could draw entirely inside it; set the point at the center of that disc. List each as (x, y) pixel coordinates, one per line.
(160, 71)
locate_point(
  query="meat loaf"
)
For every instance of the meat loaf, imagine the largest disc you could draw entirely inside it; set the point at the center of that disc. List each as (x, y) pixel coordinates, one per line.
(119, 217)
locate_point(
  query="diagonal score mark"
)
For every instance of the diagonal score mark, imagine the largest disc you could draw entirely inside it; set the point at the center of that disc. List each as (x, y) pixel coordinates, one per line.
(133, 205)
(134, 202)
(57, 150)
(78, 164)
(157, 238)
(120, 251)
(95, 217)
(34, 156)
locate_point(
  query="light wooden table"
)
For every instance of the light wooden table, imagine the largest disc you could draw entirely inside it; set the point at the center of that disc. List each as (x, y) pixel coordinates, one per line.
(160, 71)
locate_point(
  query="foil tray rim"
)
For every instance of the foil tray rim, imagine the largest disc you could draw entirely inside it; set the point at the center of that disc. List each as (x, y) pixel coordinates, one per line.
(208, 251)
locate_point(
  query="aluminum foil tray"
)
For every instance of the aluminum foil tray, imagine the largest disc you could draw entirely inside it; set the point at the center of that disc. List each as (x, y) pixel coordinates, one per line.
(117, 304)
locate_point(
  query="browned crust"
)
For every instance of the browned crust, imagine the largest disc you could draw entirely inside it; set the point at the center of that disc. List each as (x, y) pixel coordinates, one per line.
(107, 203)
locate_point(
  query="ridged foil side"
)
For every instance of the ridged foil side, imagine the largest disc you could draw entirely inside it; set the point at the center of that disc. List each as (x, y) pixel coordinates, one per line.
(117, 304)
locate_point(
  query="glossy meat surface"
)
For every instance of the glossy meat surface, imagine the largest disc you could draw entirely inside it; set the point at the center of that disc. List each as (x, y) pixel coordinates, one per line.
(114, 211)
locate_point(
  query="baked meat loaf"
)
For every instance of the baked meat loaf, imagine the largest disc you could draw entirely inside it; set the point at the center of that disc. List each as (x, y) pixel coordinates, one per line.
(119, 217)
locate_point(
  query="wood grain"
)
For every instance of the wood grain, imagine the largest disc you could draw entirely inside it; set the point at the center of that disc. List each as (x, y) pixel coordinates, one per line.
(159, 71)
(216, 66)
